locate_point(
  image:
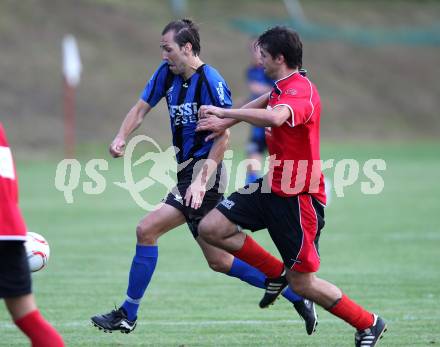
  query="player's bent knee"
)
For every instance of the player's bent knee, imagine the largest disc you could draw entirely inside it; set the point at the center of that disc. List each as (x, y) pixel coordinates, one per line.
(146, 235)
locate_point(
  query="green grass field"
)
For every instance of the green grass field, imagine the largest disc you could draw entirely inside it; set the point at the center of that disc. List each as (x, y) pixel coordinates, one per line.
(383, 250)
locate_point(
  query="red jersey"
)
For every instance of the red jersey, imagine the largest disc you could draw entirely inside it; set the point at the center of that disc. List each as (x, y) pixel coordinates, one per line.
(295, 165)
(12, 226)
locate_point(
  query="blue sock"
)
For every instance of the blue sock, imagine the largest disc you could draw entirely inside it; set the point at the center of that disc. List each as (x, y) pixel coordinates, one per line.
(142, 268)
(256, 278)
(247, 273)
(290, 295)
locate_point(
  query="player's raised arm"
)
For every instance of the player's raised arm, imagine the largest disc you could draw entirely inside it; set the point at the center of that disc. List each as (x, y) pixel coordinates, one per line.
(153, 92)
(132, 121)
(256, 116)
(260, 102)
(208, 122)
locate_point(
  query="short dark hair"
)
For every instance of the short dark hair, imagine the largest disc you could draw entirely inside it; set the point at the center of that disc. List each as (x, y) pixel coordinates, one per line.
(185, 30)
(282, 40)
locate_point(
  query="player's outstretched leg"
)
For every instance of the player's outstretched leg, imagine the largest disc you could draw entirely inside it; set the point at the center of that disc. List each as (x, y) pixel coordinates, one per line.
(218, 231)
(224, 262)
(369, 326)
(305, 308)
(124, 318)
(154, 225)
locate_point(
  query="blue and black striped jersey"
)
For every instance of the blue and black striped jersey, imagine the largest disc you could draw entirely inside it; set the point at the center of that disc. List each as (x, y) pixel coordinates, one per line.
(184, 98)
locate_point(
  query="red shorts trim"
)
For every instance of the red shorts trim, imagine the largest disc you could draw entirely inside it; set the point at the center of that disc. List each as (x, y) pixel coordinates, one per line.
(308, 259)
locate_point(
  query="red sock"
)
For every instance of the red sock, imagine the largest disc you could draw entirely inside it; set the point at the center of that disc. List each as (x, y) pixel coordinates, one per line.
(352, 313)
(39, 331)
(256, 256)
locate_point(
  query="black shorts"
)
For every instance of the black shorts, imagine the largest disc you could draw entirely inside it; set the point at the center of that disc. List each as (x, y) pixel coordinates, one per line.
(294, 223)
(15, 278)
(212, 197)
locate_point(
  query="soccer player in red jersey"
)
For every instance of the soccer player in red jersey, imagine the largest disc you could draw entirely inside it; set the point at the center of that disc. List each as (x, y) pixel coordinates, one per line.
(289, 201)
(15, 278)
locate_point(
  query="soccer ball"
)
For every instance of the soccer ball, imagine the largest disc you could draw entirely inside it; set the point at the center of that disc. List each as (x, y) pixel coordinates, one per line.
(37, 250)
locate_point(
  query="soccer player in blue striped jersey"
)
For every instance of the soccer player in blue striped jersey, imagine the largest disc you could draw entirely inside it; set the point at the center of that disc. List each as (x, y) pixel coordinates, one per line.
(186, 83)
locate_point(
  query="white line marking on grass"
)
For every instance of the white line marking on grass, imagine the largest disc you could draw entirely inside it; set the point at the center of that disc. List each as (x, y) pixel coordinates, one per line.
(187, 323)
(73, 324)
